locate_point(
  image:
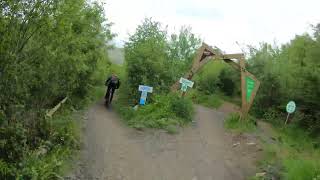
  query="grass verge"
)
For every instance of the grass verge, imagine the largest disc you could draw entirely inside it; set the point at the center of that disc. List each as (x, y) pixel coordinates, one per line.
(289, 153)
(234, 123)
(293, 156)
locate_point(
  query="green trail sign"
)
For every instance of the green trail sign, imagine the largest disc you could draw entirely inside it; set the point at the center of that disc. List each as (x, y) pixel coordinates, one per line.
(249, 87)
(291, 107)
(185, 83)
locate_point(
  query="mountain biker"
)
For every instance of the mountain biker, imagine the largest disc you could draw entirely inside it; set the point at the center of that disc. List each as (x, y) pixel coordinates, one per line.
(113, 83)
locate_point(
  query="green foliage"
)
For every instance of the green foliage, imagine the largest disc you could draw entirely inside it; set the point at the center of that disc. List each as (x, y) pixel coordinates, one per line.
(299, 169)
(48, 50)
(211, 100)
(207, 78)
(181, 107)
(216, 82)
(146, 58)
(290, 72)
(164, 112)
(226, 82)
(154, 60)
(182, 48)
(240, 125)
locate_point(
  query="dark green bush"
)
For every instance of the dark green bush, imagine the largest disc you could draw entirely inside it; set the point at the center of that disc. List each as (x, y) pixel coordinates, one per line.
(289, 72)
(164, 112)
(182, 107)
(13, 142)
(226, 82)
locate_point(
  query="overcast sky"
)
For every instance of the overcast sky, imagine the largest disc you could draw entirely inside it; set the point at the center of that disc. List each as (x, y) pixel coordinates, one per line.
(219, 23)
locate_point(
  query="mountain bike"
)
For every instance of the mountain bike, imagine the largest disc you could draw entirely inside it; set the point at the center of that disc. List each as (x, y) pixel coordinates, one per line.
(108, 100)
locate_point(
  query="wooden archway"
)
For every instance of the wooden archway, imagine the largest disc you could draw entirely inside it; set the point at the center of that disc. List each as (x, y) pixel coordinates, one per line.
(249, 83)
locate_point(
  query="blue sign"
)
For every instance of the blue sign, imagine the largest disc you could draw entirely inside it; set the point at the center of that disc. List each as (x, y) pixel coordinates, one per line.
(145, 88)
(144, 93)
(142, 101)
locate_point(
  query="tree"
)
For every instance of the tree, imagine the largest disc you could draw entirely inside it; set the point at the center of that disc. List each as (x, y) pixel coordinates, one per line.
(49, 49)
(182, 48)
(147, 59)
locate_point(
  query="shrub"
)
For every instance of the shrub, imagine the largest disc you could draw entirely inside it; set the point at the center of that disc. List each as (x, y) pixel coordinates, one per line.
(299, 169)
(13, 142)
(226, 82)
(163, 112)
(182, 107)
(240, 125)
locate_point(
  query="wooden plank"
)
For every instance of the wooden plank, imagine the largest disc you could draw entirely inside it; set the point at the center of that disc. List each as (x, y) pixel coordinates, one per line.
(243, 87)
(53, 110)
(233, 56)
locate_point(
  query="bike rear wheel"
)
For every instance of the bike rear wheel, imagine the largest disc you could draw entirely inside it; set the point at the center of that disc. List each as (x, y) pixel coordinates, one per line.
(108, 100)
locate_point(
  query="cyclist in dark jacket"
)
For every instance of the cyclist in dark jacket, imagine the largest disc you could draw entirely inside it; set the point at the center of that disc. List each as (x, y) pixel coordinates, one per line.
(113, 83)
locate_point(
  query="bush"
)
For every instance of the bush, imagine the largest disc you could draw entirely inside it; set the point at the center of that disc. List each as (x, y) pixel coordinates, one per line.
(226, 82)
(182, 107)
(163, 112)
(300, 169)
(13, 143)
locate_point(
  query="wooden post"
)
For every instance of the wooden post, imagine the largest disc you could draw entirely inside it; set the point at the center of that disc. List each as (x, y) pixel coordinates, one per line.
(243, 88)
(287, 119)
(53, 110)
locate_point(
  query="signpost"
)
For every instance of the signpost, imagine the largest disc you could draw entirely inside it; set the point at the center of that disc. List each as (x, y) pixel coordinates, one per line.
(291, 107)
(144, 93)
(185, 83)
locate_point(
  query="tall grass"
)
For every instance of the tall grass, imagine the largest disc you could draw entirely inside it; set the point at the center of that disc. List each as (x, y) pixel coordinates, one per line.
(294, 152)
(234, 123)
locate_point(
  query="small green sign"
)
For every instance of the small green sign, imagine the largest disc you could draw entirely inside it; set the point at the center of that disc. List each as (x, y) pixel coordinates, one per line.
(291, 107)
(184, 87)
(250, 83)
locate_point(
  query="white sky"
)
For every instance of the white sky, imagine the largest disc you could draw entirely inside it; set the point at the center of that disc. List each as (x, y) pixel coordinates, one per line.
(219, 23)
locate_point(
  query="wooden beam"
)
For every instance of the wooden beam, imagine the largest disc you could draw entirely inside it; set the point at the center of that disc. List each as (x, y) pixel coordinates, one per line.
(243, 87)
(53, 110)
(233, 56)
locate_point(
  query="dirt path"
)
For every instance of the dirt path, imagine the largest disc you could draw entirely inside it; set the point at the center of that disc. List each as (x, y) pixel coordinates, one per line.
(201, 152)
